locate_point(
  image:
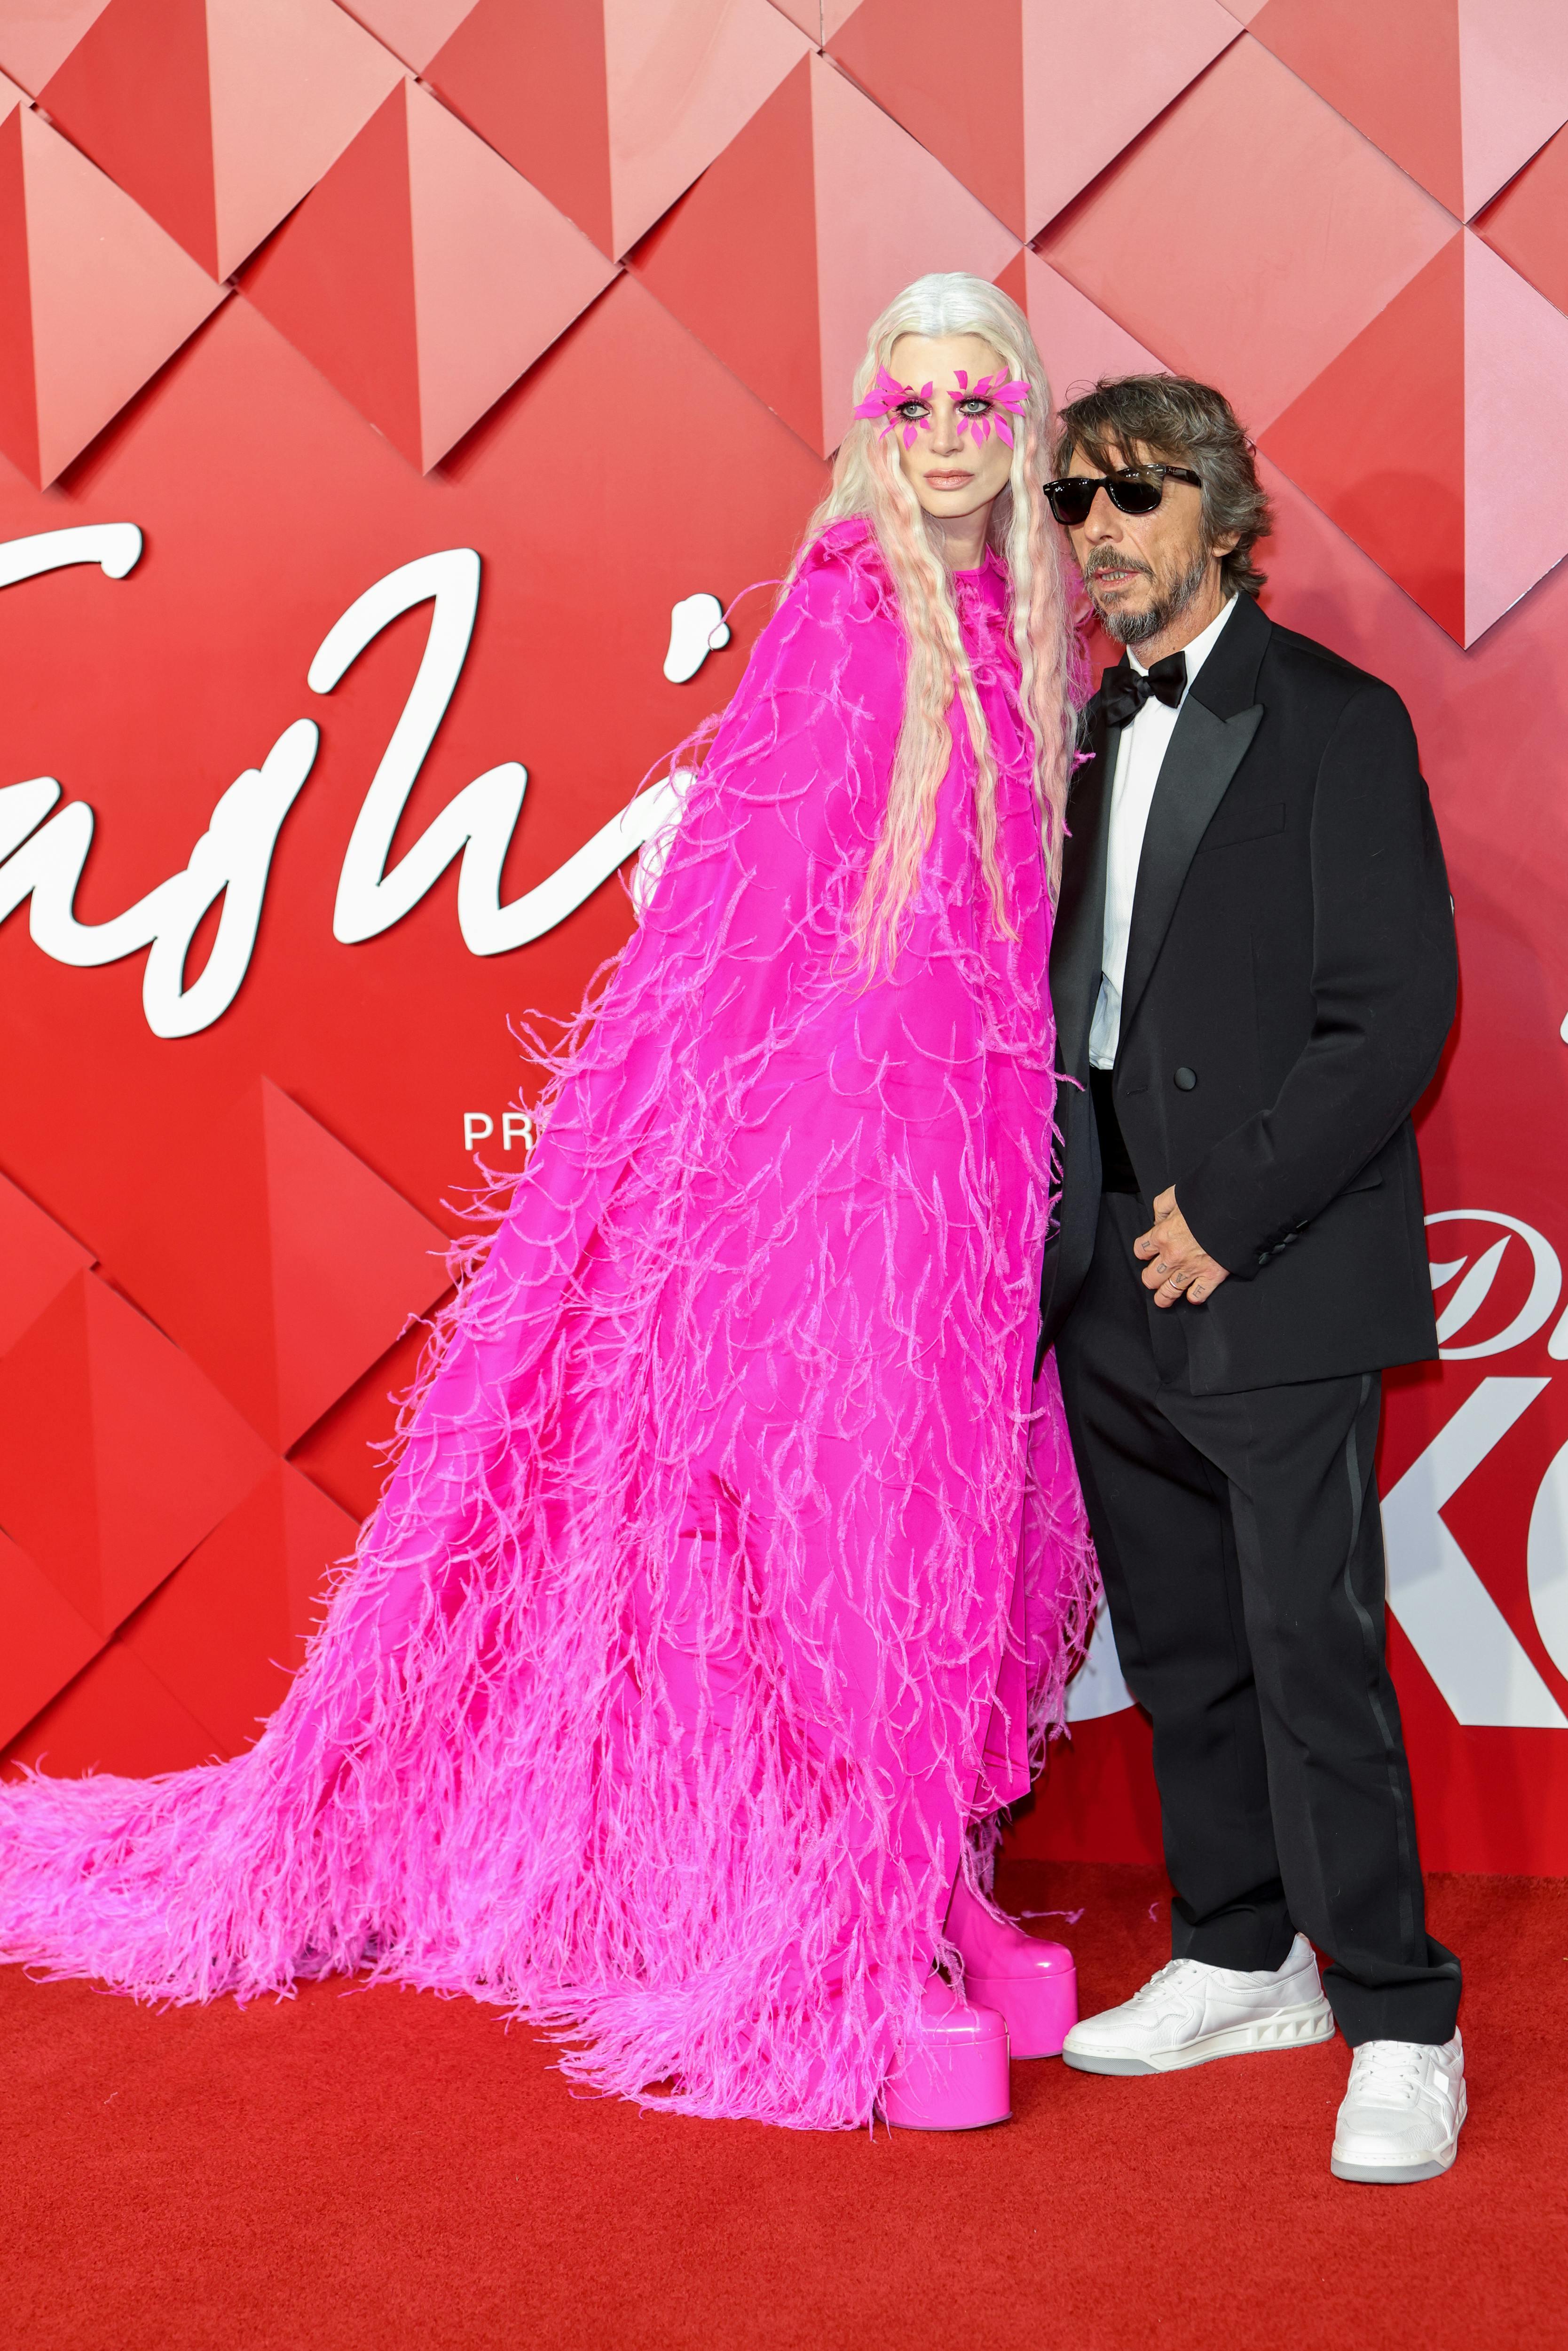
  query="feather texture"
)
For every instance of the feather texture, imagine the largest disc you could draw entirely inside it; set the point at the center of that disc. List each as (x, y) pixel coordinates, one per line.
(727, 1577)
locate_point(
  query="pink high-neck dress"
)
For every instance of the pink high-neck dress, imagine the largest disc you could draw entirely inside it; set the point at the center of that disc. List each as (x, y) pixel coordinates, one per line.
(724, 1585)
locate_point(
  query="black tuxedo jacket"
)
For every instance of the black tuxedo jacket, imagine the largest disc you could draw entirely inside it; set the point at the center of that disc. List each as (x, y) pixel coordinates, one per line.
(1291, 980)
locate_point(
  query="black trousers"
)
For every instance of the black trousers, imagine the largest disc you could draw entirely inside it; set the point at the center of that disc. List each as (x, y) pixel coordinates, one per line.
(1241, 1545)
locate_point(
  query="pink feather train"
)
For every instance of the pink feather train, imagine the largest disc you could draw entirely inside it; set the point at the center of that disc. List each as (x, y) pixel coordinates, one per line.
(729, 1571)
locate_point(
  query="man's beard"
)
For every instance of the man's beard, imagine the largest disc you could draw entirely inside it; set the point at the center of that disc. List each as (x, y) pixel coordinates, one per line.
(1137, 628)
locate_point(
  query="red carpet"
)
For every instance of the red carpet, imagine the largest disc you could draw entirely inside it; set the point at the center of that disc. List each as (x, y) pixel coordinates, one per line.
(384, 2168)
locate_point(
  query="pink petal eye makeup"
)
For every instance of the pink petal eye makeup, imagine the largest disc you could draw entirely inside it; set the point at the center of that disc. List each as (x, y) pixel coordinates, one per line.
(984, 407)
(1001, 396)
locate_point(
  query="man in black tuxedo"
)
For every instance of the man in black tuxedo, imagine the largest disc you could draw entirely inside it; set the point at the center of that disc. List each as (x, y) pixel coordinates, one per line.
(1253, 974)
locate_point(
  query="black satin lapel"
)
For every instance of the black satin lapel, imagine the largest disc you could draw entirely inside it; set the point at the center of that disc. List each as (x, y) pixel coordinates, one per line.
(1078, 941)
(1195, 776)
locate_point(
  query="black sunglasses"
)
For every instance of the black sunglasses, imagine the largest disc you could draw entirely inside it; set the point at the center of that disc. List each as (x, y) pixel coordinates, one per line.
(1136, 490)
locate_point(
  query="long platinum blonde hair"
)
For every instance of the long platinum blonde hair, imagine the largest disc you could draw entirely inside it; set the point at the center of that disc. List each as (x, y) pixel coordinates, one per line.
(869, 480)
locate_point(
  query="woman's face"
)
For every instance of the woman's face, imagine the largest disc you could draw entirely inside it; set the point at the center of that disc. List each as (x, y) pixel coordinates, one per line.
(954, 468)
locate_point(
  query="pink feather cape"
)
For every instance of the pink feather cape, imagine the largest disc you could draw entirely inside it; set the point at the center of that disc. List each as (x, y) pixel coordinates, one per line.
(728, 1574)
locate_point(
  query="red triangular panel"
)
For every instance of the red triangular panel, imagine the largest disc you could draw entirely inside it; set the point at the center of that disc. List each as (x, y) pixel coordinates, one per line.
(120, 1456)
(291, 83)
(701, 260)
(528, 75)
(226, 1633)
(337, 281)
(38, 1258)
(35, 39)
(18, 392)
(1347, 440)
(132, 94)
(286, 1267)
(1529, 223)
(1391, 67)
(963, 99)
(1256, 305)
(46, 1641)
(117, 1716)
(112, 295)
(499, 273)
(413, 29)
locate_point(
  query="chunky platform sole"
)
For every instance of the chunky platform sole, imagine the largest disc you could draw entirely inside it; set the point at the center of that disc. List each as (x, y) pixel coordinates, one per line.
(1288, 2028)
(1395, 2175)
(1040, 2010)
(954, 2081)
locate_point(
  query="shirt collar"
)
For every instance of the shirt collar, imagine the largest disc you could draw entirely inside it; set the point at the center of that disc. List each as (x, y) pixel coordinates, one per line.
(1202, 645)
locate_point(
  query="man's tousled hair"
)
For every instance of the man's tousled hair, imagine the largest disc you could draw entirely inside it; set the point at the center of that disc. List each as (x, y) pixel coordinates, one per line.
(1187, 423)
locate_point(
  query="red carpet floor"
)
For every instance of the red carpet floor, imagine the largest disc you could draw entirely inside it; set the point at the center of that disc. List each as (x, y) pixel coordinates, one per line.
(384, 2169)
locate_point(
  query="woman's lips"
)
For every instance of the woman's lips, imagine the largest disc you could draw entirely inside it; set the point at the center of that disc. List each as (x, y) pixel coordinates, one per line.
(947, 481)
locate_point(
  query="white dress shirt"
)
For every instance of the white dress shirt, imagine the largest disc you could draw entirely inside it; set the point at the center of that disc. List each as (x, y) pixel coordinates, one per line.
(1140, 754)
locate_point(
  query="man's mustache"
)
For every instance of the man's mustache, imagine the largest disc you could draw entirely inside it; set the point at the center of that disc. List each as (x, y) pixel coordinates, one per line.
(1109, 562)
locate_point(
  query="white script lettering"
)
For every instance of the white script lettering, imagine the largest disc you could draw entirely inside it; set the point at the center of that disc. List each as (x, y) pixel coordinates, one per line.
(43, 861)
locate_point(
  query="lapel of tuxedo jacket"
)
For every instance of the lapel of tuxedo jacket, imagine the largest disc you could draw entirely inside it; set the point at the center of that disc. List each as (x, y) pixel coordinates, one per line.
(1213, 734)
(1078, 938)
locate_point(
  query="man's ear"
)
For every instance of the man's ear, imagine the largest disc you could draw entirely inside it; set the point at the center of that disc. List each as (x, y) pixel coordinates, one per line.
(1225, 545)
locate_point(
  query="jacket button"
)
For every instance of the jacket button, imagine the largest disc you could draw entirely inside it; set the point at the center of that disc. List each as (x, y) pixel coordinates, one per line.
(1187, 1079)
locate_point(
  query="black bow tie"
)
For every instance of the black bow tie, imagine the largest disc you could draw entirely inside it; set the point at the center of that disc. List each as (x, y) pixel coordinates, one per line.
(1124, 690)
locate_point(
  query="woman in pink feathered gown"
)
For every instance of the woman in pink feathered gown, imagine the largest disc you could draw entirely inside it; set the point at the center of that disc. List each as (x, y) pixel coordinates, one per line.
(726, 1583)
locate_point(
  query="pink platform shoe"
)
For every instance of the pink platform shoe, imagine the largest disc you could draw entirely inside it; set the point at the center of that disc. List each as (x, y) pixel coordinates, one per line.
(955, 2076)
(1031, 1982)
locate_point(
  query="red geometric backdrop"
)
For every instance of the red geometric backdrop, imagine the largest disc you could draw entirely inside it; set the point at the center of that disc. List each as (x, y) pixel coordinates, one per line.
(303, 294)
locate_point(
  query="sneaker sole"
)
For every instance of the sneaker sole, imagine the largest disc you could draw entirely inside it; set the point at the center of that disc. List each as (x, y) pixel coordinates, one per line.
(1395, 2175)
(1390, 2175)
(1292, 2028)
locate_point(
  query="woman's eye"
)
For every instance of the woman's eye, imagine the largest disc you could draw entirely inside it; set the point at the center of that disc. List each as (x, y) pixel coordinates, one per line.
(975, 407)
(911, 411)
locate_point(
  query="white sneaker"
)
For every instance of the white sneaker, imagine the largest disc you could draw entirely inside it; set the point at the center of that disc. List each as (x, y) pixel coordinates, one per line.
(1401, 2115)
(1191, 2012)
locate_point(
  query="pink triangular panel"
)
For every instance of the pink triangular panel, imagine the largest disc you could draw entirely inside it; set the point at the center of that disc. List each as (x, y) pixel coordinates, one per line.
(1135, 57)
(805, 14)
(113, 296)
(1391, 67)
(1257, 305)
(413, 29)
(1077, 341)
(497, 273)
(887, 212)
(1513, 87)
(963, 100)
(37, 39)
(1516, 398)
(38, 1258)
(292, 81)
(680, 81)
(12, 95)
